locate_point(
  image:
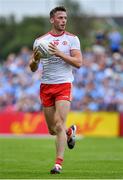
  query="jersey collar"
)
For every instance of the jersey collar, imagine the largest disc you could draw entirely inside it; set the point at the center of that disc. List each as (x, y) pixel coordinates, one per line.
(56, 35)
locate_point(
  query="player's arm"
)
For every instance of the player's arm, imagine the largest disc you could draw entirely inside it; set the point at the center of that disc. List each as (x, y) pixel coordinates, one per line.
(75, 59)
(35, 59)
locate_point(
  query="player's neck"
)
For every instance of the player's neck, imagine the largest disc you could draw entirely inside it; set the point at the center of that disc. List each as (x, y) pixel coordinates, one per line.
(56, 32)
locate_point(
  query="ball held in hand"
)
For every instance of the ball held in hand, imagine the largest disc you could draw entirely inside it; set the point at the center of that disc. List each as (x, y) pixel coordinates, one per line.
(43, 48)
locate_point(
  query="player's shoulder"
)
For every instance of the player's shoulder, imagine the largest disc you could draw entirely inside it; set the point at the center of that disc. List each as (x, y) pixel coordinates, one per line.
(43, 36)
(71, 37)
(70, 34)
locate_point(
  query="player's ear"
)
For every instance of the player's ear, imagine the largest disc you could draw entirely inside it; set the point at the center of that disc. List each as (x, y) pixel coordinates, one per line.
(51, 20)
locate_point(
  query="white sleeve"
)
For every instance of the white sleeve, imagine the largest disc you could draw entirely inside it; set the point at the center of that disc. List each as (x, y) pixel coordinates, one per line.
(75, 43)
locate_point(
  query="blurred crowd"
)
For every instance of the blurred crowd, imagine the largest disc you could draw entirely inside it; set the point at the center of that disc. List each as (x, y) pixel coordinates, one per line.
(98, 84)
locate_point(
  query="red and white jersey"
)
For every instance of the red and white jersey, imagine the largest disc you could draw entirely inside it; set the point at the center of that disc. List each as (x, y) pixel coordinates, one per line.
(55, 69)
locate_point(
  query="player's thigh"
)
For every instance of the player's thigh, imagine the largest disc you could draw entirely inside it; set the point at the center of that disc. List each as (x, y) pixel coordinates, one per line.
(62, 109)
(49, 115)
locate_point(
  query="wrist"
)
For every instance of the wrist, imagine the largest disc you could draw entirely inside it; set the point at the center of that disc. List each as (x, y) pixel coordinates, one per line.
(60, 54)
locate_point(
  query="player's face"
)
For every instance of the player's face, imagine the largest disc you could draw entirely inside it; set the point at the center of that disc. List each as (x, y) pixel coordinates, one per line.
(59, 20)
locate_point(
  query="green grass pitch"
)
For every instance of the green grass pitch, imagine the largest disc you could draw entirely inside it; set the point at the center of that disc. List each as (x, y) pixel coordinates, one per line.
(32, 158)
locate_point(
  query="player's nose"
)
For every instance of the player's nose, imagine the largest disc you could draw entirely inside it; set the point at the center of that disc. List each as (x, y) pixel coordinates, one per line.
(64, 20)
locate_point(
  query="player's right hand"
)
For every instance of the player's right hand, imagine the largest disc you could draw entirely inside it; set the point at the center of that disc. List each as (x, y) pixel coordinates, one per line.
(36, 54)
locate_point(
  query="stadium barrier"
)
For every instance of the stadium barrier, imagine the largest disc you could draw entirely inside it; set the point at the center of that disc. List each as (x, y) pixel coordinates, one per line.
(109, 124)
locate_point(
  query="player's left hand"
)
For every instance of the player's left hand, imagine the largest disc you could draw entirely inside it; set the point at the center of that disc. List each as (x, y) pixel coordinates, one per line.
(53, 50)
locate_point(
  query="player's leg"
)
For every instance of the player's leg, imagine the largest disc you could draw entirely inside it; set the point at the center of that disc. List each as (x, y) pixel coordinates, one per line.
(48, 106)
(49, 113)
(62, 110)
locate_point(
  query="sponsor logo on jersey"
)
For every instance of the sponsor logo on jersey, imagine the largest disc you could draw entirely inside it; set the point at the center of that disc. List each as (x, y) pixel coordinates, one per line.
(56, 42)
(64, 43)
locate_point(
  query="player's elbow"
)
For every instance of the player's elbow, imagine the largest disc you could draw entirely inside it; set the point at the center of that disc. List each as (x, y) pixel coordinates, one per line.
(32, 67)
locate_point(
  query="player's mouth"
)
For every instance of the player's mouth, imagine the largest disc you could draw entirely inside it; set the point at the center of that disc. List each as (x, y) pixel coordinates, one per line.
(63, 25)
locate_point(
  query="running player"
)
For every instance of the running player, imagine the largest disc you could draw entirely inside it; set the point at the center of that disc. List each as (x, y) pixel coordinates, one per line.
(57, 77)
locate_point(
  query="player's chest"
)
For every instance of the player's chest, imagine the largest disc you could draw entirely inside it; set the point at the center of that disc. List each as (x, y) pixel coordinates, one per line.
(62, 44)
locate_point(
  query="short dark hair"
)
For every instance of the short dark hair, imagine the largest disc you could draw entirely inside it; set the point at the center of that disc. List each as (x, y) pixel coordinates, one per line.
(58, 8)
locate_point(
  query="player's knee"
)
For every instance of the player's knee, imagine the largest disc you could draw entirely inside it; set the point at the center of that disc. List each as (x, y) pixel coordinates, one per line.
(59, 127)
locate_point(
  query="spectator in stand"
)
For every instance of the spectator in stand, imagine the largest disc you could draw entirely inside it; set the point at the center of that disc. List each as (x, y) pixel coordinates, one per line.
(100, 37)
(115, 39)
